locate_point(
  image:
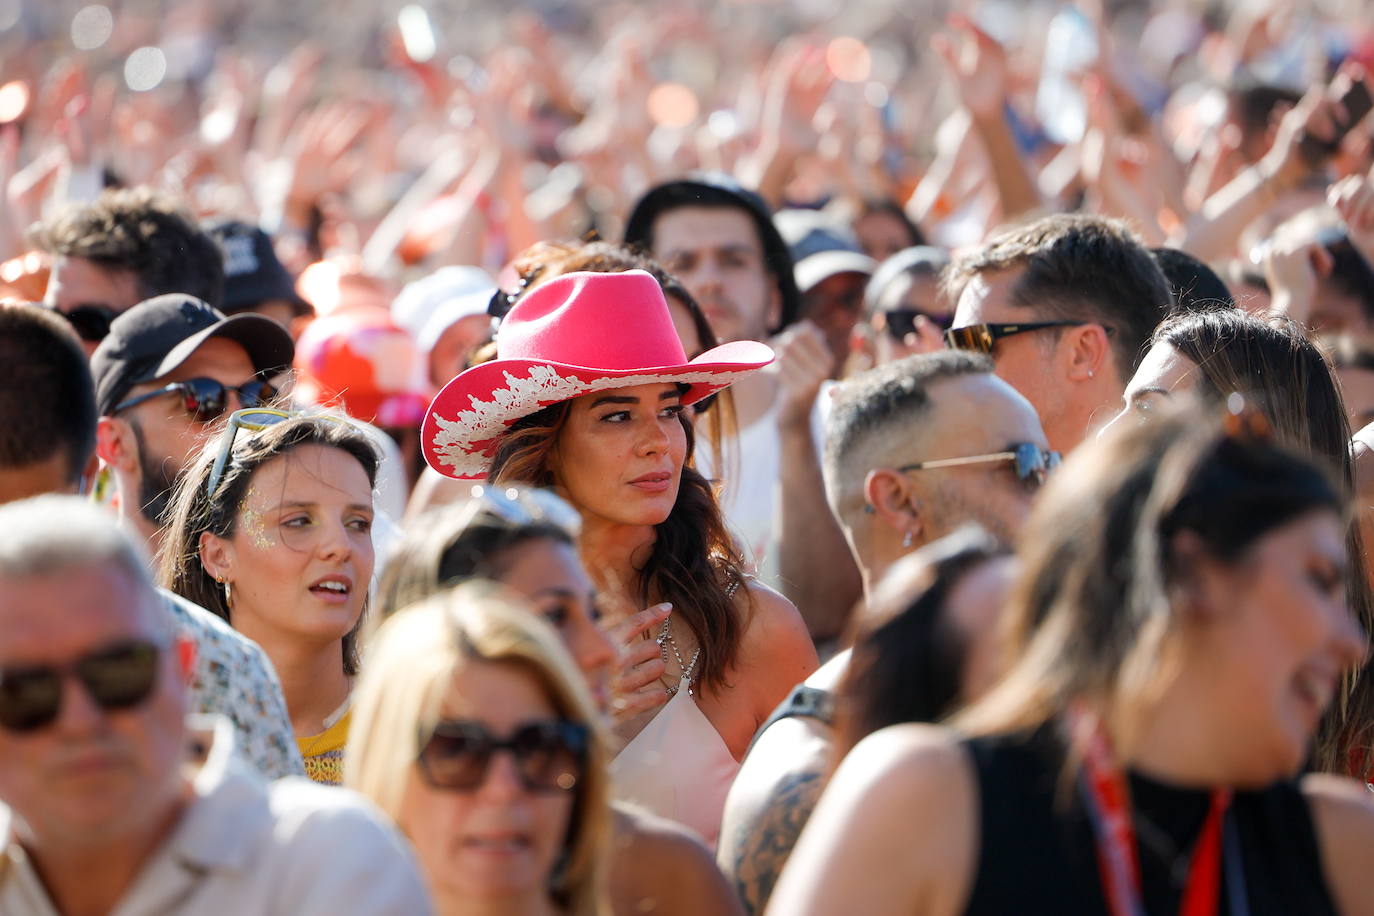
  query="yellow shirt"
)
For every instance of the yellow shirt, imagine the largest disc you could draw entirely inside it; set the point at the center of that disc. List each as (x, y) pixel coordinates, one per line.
(323, 753)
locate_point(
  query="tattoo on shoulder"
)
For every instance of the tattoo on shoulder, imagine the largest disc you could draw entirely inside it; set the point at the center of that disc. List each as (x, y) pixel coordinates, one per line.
(763, 843)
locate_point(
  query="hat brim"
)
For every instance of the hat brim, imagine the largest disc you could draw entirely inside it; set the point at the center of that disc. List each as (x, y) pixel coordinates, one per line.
(810, 272)
(268, 344)
(469, 416)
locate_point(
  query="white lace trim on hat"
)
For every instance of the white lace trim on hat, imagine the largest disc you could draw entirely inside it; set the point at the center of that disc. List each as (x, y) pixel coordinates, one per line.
(456, 443)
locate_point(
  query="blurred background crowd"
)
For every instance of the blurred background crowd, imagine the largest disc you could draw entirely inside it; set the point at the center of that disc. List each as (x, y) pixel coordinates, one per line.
(349, 208)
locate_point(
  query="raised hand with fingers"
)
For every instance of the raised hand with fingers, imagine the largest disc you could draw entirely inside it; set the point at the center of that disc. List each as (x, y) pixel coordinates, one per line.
(1353, 199)
(977, 63)
(1292, 269)
(636, 685)
(804, 361)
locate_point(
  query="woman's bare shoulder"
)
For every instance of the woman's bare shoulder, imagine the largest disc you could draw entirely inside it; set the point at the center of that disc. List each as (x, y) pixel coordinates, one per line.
(661, 867)
(1343, 815)
(891, 779)
(776, 645)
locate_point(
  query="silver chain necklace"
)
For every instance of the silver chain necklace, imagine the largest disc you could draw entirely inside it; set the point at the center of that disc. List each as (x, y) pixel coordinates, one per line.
(665, 640)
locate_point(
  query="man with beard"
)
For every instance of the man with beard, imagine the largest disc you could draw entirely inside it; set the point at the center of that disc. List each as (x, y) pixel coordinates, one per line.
(170, 367)
(719, 240)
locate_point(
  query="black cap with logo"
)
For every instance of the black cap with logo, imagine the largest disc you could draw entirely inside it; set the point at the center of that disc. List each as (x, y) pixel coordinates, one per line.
(252, 272)
(156, 336)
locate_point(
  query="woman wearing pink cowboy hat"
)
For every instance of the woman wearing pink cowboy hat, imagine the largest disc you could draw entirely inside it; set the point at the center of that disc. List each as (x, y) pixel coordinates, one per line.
(586, 395)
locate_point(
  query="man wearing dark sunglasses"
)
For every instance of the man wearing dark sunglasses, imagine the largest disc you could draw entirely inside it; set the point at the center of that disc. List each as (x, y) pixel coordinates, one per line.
(111, 799)
(1064, 306)
(168, 370)
(126, 246)
(915, 449)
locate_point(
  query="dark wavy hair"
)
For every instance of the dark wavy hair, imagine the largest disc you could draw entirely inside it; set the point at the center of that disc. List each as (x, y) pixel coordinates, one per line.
(1283, 375)
(694, 563)
(145, 232)
(196, 511)
(907, 664)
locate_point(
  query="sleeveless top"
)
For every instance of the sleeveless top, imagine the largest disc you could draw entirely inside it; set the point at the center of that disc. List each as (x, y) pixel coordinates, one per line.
(1038, 855)
(677, 767)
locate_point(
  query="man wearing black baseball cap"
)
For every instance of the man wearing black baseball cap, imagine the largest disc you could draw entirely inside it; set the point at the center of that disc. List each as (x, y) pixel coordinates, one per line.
(168, 369)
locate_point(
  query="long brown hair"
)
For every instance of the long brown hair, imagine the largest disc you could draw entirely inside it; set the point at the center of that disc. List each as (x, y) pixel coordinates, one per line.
(196, 511)
(1282, 374)
(694, 562)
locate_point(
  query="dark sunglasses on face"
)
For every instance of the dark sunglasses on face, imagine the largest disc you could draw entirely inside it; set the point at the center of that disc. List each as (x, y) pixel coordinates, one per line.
(206, 399)
(1031, 462)
(901, 322)
(116, 677)
(981, 337)
(549, 756)
(90, 322)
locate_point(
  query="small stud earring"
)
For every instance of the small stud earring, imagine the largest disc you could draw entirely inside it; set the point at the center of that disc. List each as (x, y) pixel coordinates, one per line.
(906, 541)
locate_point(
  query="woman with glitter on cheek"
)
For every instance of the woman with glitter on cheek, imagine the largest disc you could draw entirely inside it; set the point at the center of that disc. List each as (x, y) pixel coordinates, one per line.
(272, 530)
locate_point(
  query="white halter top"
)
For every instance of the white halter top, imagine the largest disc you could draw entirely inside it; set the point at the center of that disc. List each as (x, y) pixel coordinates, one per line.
(678, 767)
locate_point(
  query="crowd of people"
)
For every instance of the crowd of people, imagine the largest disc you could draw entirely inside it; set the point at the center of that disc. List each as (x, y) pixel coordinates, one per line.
(743, 458)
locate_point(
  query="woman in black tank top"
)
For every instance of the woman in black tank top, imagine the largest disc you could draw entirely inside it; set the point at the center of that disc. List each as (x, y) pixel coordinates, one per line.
(1178, 627)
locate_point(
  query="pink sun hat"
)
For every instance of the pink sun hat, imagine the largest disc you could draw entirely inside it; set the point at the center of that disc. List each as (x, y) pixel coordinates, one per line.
(572, 335)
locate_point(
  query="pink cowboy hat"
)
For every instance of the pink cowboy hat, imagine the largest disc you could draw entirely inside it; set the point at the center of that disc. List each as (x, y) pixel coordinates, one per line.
(573, 335)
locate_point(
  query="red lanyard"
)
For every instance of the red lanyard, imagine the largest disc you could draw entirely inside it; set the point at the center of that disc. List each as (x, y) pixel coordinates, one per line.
(1118, 859)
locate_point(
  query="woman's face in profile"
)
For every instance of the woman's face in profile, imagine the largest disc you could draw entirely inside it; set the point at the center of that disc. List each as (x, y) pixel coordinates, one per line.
(548, 574)
(1271, 636)
(1164, 373)
(500, 839)
(620, 453)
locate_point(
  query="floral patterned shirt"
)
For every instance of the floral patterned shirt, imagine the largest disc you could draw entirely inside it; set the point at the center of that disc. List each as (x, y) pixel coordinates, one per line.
(234, 678)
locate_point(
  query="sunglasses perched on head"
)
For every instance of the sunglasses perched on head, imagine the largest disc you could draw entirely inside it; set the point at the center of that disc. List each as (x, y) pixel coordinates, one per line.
(901, 322)
(981, 337)
(527, 506)
(1031, 462)
(252, 419)
(206, 399)
(116, 677)
(90, 322)
(549, 756)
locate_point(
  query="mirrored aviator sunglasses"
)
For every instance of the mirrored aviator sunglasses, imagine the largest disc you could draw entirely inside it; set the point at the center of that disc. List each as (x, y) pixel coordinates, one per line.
(549, 756)
(206, 399)
(117, 677)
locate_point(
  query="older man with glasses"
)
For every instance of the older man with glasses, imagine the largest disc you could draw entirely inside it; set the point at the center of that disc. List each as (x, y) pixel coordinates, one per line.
(168, 369)
(1064, 306)
(111, 800)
